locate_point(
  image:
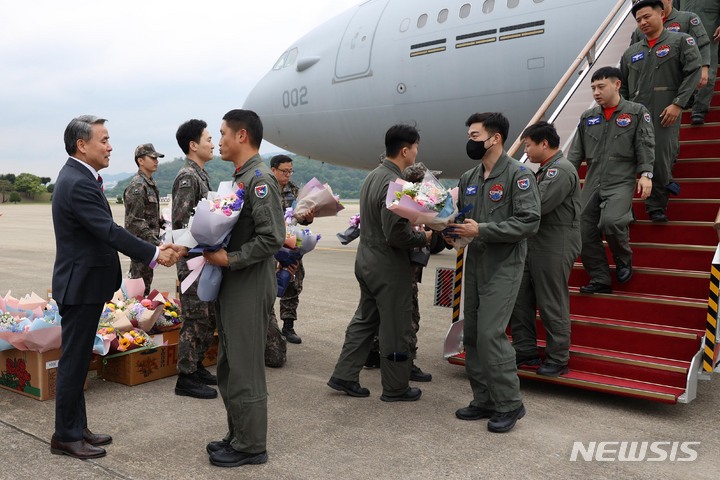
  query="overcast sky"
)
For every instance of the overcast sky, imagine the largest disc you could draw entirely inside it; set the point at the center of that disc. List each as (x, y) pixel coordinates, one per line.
(146, 66)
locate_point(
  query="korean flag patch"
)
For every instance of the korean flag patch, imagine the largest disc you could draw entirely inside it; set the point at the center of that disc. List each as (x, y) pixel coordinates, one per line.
(552, 172)
(523, 183)
(469, 191)
(261, 191)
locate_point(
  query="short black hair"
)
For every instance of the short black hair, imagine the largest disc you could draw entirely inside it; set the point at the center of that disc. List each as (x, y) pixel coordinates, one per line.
(493, 122)
(602, 73)
(190, 131)
(278, 160)
(247, 120)
(398, 137)
(540, 131)
(656, 4)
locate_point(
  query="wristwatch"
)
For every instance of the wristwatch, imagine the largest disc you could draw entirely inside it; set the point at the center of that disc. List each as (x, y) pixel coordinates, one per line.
(647, 175)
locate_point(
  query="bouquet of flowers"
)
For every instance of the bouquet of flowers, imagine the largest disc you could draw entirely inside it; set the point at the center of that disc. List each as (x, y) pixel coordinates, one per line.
(209, 229)
(352, 232)
(299, 240)
(318, 197)
(423, 203)
(130, 340)
(170, 319)
(30, 323)
(125, 313)
(104, 337)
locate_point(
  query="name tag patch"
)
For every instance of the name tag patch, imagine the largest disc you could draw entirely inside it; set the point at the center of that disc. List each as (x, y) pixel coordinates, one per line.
(637, 57)
(623, 120)
(593, 121)
(497, 192)
(471, 190)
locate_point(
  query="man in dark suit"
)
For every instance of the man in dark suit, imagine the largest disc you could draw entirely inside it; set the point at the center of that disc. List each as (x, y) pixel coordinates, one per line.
(86, 274)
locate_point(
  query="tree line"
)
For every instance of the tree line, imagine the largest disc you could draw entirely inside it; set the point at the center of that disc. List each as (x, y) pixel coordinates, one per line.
(14, 187)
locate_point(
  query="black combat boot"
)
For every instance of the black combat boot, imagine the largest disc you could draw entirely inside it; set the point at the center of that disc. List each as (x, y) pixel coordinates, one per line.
(189, 386)
(204, 376)
(288, 331)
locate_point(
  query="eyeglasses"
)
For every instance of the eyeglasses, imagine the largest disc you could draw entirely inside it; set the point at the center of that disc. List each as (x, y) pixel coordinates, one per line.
(286, 172)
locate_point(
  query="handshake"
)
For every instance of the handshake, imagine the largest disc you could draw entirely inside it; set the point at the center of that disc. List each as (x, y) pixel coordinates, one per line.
(170, 253)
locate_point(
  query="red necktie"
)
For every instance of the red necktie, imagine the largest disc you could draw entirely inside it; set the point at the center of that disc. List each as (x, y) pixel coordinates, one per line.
(100, 181)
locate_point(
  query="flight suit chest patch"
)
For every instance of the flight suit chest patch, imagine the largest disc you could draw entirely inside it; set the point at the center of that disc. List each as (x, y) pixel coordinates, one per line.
(623, 120)
(497, 192)
(471, 190)
(662, 51)
(593, 121)
(523, 183)
(675, 27)
(637, 57)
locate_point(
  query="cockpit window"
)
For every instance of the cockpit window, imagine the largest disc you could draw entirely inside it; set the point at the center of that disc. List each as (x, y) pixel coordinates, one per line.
(286, 59)
(280, 62)
(488, 6)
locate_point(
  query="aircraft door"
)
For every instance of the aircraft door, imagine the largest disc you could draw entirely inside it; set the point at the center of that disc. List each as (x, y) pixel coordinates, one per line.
(355, 51)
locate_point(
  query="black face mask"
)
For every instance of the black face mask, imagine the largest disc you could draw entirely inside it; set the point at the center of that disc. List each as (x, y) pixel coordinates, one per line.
(476, 150)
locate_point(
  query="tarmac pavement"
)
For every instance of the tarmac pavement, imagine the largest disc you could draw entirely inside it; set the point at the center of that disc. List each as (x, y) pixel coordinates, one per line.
(318, 433)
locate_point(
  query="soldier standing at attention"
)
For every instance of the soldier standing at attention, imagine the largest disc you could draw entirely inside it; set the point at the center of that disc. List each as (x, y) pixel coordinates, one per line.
(191, 185)
(505, 212)
(660, 72)
(382, 268)
(709, 13)
(616, 140)
(247, 294)
(142, 208)
(551, 254)
(282, 167)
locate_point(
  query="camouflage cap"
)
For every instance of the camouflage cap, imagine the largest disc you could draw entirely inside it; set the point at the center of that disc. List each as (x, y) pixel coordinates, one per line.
(147, 149)
(637, 5)
(416, 172)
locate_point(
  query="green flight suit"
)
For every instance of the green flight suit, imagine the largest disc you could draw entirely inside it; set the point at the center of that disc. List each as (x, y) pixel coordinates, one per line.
(658, 77)
(709, 13)
(551, 254)
(684, 22)
(506, 206)
(247, 294)
(382, 269)
(616, 152)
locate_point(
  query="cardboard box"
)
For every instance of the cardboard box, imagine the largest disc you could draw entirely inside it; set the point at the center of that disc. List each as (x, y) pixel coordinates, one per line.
(32, 374)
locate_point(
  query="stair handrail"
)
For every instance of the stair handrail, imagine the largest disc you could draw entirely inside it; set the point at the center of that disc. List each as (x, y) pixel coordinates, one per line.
(588, 52)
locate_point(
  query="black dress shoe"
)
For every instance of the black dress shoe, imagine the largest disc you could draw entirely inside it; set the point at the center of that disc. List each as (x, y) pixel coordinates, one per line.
(189, 386)
(529, 360)
(657, 216)
(229, 457)
(410, 396)
(96, 439)
(203, 376)
(697, 119)
(502, 422)
(351, 388)
(80, 449)
(472, 412)
(291, 336)
(623, 272)
(595, 287)
(372, 360)
(549, 369)
(417, 375)
(216, 446)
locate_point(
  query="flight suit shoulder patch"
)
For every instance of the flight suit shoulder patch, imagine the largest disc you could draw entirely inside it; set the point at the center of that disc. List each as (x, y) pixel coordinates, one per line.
(552, 172)
(258, 173)
(261, 191)
(647, 117)
(690, 41)
(523, 183)
(695, 21)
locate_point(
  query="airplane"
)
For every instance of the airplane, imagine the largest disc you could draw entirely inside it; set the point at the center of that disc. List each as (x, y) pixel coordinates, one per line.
(332, 94)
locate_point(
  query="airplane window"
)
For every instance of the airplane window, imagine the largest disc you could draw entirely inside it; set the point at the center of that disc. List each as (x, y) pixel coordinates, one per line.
(422, 20)
(404, 25)
(513, 3)
(281, 61)
(292, 56)
(443, 15)
(465, 10)
(488, 6)
(538, 1)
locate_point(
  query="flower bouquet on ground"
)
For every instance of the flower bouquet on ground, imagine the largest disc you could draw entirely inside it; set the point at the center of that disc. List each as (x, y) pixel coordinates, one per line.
(170, 319)
(299, 240)
(319, 198)
(352, 232)
(30, 323)
(125, 313)
(104, 337)
(423, 203)
(209, 229)
(130, 340)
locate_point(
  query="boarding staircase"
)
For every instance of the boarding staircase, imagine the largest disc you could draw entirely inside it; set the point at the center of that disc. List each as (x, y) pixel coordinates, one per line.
(655, 336)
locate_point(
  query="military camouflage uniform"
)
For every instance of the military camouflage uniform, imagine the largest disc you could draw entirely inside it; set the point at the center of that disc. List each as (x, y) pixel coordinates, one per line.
(142, 219)
(192, 184)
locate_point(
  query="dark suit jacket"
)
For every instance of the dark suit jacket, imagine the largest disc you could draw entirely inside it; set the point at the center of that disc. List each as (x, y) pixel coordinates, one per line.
(87, 266)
